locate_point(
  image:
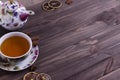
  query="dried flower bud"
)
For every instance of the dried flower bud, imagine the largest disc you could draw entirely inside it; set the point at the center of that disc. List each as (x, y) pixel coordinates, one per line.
(33, 68)
(69, 2)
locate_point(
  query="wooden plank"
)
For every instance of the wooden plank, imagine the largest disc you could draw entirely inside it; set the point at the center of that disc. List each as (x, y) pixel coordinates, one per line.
(91, 73)
(75, 66)
(114, 75)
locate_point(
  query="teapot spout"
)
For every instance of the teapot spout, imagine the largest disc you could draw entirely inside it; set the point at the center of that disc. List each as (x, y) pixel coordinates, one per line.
(25, 15)
(30, 12)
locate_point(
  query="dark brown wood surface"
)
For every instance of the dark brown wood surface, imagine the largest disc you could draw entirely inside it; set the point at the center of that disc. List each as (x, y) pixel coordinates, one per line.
(115, 75)
(80, 41)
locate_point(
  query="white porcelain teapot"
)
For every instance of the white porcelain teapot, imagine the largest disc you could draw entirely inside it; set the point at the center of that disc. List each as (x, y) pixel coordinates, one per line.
(13, 15)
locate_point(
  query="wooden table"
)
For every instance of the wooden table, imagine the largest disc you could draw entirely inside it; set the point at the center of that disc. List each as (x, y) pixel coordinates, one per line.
(80, 41)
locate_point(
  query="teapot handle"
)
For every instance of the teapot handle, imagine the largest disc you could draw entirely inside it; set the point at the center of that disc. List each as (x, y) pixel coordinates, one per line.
(31, 12)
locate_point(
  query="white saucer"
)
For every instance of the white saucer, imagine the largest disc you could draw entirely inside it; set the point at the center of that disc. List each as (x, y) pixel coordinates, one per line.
(23, 64)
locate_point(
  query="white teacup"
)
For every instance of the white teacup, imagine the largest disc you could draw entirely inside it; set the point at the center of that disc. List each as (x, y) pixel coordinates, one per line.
(17, 36)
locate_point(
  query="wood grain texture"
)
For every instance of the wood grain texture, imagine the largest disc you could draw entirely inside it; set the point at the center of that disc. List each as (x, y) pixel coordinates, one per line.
(80, 41)
(115, 75)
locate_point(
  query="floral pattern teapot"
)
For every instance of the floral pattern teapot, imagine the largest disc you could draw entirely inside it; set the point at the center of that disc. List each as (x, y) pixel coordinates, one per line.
(13, 15)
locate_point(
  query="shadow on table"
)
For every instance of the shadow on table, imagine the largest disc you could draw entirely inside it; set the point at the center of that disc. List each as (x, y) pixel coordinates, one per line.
(3, 31)
(17, 75)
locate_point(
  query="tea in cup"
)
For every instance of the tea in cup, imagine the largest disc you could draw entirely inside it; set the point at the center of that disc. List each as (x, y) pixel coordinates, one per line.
(15, 45)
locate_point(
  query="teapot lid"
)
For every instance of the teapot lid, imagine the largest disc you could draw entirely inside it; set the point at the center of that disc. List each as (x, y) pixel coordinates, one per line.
(12, 6)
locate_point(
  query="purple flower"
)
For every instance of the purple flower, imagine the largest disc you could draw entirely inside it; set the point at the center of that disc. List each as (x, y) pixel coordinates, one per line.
(12, 20)
(7, 24)
(34, 57)
(28, 64)
(36, 52)
(13, 6)
(15, 13)
(16, 24)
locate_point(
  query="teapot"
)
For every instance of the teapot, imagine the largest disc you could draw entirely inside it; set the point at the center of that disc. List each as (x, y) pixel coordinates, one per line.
(13, 15)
